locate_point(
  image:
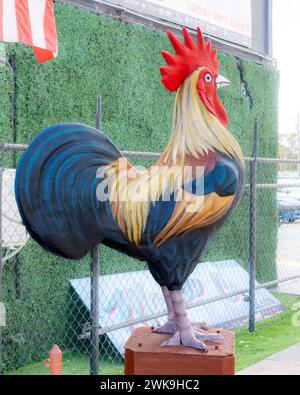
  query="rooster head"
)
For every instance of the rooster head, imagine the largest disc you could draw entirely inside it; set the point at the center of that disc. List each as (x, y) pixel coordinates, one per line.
(188, 58)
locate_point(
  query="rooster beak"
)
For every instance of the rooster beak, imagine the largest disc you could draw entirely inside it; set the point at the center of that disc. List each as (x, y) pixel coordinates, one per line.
(221, 81)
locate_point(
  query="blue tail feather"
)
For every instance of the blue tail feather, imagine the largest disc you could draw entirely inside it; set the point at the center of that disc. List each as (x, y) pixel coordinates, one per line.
(56, 187)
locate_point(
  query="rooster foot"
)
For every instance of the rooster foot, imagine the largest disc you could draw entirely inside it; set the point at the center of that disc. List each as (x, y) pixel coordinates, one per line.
(200, 325)
(169, 327)
(209, 337)
(187, 341)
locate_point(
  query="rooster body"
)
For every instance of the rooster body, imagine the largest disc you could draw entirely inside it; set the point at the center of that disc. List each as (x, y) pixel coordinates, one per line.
(74, 188)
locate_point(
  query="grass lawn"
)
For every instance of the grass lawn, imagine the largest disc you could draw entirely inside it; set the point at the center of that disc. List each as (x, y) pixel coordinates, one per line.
(265, 341)
(73, 364)
(250, 347)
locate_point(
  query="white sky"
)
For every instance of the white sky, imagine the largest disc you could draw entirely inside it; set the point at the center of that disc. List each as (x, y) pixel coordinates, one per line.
(286, 44)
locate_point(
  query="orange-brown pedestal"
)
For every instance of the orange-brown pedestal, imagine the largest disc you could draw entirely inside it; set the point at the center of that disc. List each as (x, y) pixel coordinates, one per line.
(145, 356)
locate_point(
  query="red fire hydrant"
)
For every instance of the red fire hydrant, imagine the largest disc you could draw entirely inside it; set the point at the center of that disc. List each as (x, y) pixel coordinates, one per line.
(54, 362)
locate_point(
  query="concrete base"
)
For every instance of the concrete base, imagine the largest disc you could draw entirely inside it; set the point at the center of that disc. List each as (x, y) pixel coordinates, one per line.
(145, 356)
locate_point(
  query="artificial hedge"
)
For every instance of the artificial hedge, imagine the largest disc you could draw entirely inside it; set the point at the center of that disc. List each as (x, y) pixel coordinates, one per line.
(121, 62)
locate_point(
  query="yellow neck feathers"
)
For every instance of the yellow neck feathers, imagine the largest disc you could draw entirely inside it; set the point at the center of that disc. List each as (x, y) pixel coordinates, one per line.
(195, 130)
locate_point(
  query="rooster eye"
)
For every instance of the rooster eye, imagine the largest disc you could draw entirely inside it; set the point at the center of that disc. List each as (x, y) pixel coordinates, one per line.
(207, 78)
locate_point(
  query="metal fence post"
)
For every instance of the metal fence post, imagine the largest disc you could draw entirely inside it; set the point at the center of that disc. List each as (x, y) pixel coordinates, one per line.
(98, 113)
(252, 230)
(94, 357)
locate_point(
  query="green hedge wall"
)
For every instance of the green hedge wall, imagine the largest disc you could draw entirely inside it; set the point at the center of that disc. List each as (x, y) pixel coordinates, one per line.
(6, 130)
(121, 62)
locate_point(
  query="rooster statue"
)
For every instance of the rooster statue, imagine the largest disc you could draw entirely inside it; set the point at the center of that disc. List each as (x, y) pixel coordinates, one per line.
(74, 188)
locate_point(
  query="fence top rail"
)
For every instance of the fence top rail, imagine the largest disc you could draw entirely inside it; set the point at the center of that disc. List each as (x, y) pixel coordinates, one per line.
(151, 155)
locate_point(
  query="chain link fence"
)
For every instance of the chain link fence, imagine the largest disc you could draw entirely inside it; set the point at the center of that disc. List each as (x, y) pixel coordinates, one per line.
(90, 314)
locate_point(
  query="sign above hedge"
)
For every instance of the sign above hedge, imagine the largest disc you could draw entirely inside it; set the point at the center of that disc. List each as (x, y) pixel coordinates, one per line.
(230, 20)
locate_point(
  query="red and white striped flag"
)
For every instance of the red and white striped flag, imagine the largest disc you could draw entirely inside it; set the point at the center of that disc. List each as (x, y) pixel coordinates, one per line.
(30, 22)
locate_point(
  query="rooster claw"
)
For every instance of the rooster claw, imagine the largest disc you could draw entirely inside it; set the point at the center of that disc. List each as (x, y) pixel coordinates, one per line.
(173, 340)
(209, 337)
(169, 327)
(191, 341)
(200, 325)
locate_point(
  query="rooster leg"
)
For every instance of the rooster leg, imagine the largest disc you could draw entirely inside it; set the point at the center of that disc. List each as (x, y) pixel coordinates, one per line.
(187, 335)
(170, 326)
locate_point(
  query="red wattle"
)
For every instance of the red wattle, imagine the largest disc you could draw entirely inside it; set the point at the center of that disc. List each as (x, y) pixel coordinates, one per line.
(216, 108)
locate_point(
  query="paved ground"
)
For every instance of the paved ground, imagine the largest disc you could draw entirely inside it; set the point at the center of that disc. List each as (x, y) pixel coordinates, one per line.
(286, 362)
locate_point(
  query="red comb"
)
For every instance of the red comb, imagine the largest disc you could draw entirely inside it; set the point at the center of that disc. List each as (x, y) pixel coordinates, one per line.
(188, 58)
